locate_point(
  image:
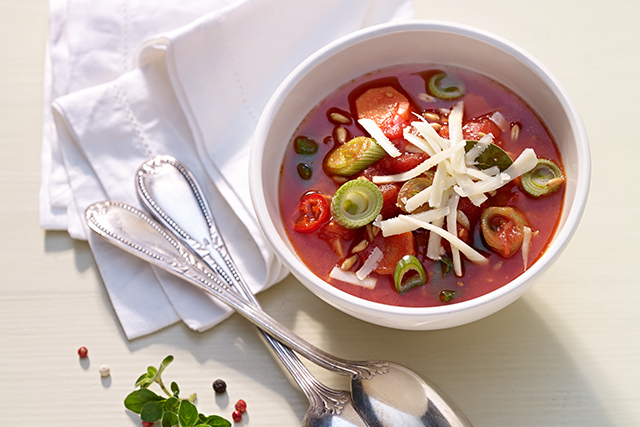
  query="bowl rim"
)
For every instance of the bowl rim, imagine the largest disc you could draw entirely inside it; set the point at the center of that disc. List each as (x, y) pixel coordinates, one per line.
(561, 238)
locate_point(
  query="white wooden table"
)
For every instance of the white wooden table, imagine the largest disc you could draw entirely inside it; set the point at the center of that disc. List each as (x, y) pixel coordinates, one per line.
(566, 354)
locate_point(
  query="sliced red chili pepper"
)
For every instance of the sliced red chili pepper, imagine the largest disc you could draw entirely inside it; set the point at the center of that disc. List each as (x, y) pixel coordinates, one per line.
(314, 211)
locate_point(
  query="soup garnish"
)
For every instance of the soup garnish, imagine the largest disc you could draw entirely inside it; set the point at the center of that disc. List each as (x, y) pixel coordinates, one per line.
(426, 185)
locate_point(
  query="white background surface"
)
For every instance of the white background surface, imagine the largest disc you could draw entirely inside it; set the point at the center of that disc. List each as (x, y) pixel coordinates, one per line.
(566, 354)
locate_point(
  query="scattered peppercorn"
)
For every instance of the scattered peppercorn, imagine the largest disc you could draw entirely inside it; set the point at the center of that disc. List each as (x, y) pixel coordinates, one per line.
(147, 423)
(237, 416)
(219, 386)
(241, 405)
(83, 352)
(104, 371)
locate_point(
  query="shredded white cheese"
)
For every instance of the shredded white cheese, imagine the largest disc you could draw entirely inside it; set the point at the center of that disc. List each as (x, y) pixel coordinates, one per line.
(500, 121)
(396, 225)
(526, 245)
(350, 277)
(417, 141)
(377, 134)
(452, 227)
(468, 251)
(370, 264)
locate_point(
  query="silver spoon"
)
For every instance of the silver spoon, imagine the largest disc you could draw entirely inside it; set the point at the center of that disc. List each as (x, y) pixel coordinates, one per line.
(173, 195)
(384, 393)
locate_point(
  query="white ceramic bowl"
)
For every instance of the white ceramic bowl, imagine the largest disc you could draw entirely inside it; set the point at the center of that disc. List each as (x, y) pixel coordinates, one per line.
(410, 43)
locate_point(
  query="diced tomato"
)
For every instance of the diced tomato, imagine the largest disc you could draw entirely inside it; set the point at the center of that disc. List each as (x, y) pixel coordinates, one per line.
(313, 212)
(393, 248)
(404, 162)
(477, 128)
(390, 200)
(387, 107)
(336, 236)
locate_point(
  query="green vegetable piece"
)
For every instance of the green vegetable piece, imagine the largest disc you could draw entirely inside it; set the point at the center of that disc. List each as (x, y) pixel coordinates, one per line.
(446, 296)
(170, 419)
(353, 156)
(304, 171)
(491, 156)
(544, 179)
(214, 421)
(305, 145)
(413, 187)
(187, 414)
(138, 398)
(408, 274)
(152, 411)
(356, 203)
(446, 86)
(503, 229)
(446, 265)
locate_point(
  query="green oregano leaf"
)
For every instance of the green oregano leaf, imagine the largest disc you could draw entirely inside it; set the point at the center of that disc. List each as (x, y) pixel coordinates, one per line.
(491, 156)
(144, 381)
(187, 414)
(133, 403)
(171, 404)
(175, 389)
(170, 419)
(152, 411)
(214, 421)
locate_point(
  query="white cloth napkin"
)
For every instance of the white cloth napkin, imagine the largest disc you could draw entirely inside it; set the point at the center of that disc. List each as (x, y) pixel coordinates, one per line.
(126, 81)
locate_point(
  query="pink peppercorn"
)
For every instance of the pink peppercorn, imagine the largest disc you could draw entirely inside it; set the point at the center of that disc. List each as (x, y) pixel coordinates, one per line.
(83, 352)
(237, 416)
(147, 423)
(241, 405)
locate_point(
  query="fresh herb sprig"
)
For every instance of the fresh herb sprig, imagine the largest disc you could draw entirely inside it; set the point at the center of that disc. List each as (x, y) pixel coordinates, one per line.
(172, 410)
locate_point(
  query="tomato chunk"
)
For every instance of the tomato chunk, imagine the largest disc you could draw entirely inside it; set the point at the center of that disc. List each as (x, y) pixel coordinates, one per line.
(387, 107)
(393, 248)
(313, 212)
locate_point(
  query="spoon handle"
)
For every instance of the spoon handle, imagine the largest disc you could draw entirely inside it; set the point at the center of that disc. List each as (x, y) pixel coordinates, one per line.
(170, 191)
(133, 231)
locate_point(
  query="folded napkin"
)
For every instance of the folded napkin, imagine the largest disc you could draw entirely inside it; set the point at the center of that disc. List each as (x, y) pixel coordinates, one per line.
(130, 80)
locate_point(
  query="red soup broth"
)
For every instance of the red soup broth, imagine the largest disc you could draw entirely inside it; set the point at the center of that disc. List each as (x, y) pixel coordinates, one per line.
(483, 96)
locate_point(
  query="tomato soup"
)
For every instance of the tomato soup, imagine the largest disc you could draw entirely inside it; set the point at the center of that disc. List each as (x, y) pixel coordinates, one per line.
(421, 185)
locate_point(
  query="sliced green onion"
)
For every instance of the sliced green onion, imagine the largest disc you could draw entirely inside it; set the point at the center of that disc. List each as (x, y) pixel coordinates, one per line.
(490, 156)
(503, 229)
(446, 265)
(545, 178)
(409, 274)
(356, 203)
(446, 86)
(353, 156)
(413, 187)
(304, 170)
(446, 296)
(305, 145)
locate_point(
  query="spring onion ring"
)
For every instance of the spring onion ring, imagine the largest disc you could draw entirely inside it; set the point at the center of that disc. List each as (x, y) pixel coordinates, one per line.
(409, 274)
(356, 203)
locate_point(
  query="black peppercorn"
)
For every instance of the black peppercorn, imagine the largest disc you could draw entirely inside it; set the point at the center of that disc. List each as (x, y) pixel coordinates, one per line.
(219, 386)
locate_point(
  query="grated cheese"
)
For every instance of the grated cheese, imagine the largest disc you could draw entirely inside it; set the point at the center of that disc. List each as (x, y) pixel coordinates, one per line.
(396, 225)
(350, 277)
(526, 245)
(452, 227)
(370, 264)
(377, 134)
(468, 251)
